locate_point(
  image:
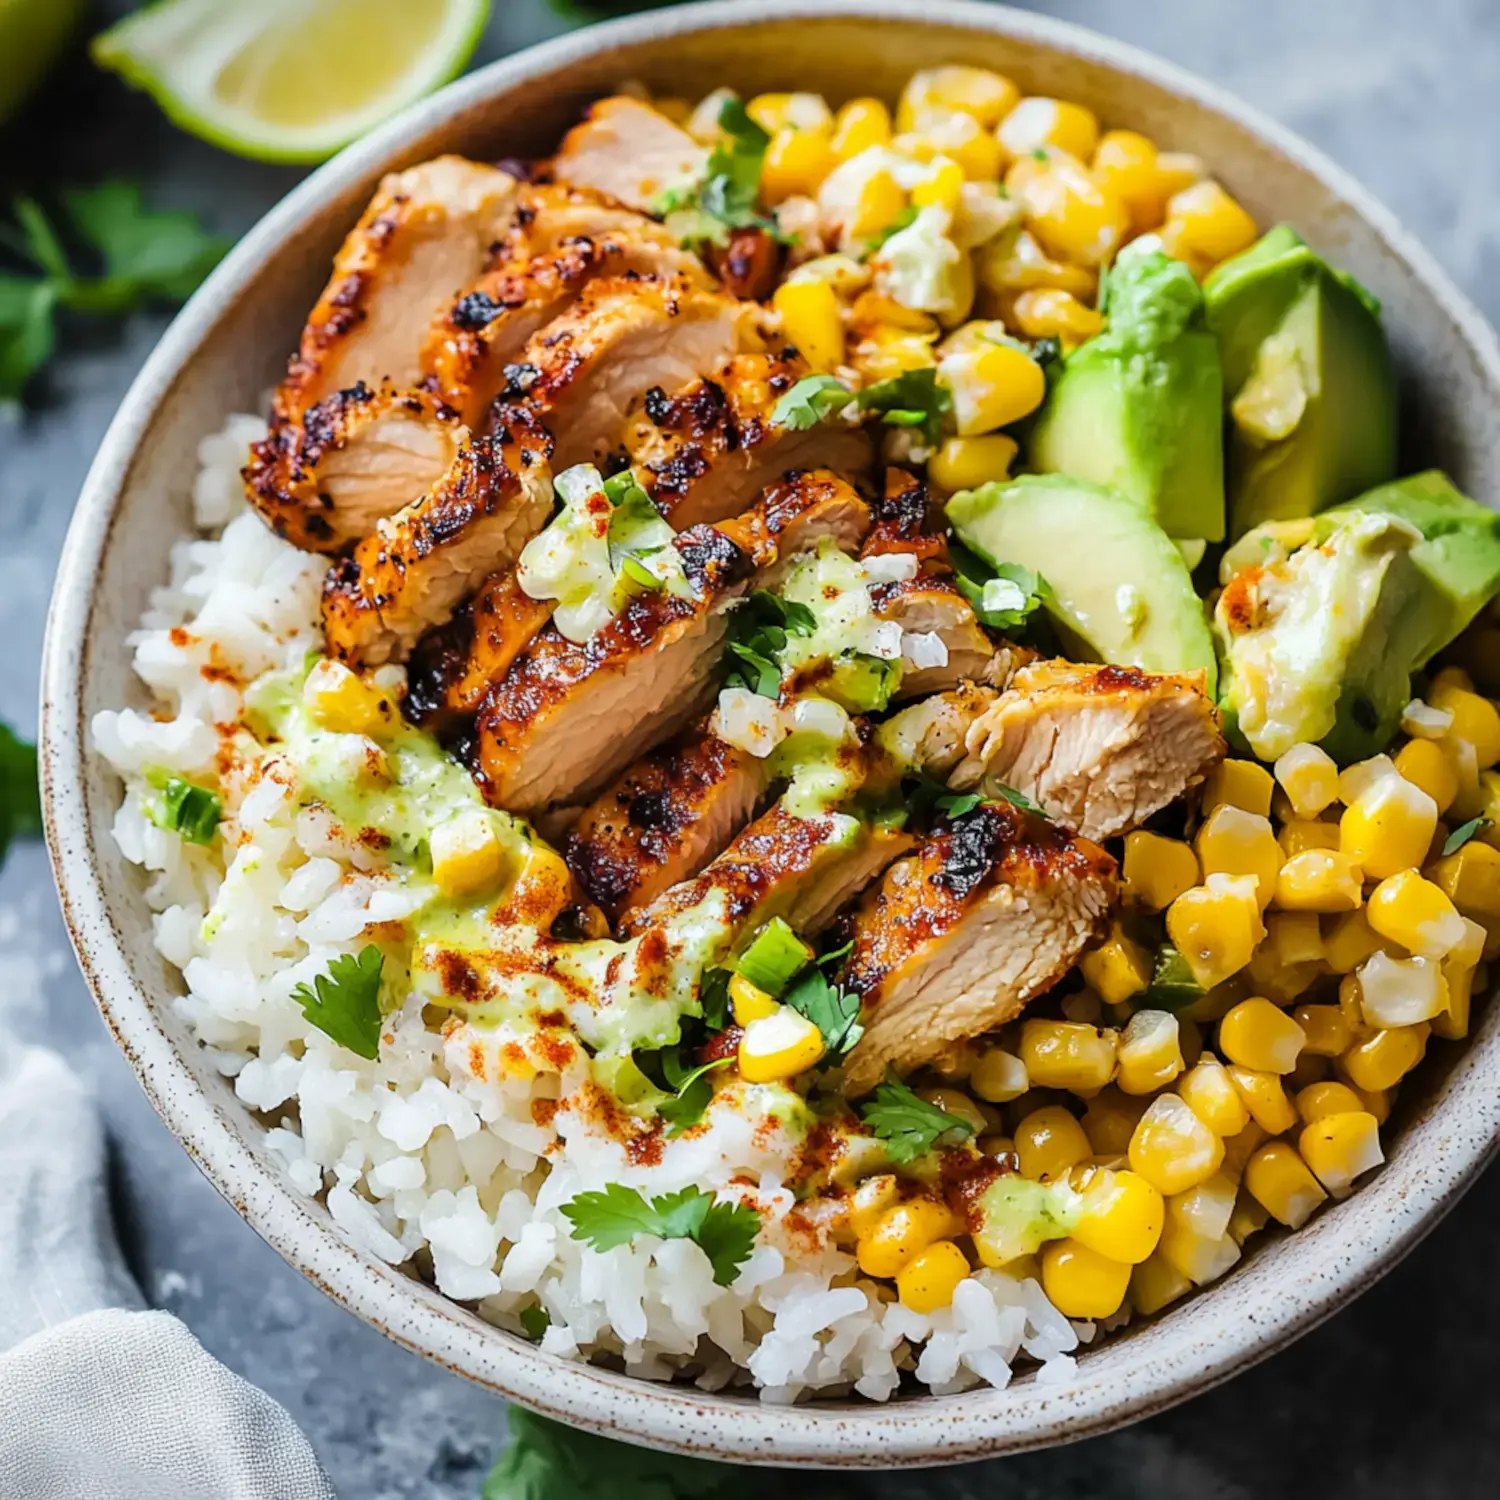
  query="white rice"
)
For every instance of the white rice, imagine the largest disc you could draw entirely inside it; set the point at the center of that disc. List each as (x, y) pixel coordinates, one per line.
(439, 1155)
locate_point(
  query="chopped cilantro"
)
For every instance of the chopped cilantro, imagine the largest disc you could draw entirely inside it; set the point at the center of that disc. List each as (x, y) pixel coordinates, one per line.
(535, 1321)
(813, 399)
(725, 1232)
(904, 220)
(1005, 608)
(908, 1124)
(758, 632)
(997, 791)
(1463, 833)
(957, 804)
(834, 1011)
(694, 1091)
(725, 197)
(713, 998)
(1173, 985)
(914, 398)
(344, 1001)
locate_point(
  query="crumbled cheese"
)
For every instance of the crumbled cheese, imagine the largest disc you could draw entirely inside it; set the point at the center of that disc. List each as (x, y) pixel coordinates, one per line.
(924, 648)
(921, 268)
(890, 567)
(748, 721)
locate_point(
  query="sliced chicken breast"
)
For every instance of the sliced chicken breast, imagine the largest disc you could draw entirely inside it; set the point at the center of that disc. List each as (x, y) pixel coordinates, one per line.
(628, 150)
(792, 517)
(663, 821)
(418, 566)
(925, 738)
(1099, 748)
(706, 451)
(907, 522)
(586, 372)
(990, 912)
(930, 608)
(549, 214)
(425, 236)
(356, 457)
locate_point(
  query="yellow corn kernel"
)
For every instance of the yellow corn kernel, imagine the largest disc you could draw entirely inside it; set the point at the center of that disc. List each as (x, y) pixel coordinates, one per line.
(467, 855)
(1081, 1283)
(1383, 1058)
(1258, 1036)
(1279, 982)
(1117, 968)
(1425, 764)
(1320, 880)
(1015, 262)
(1249, 1217)
(1310, 1069)
(1265, 1098)
(1389, 825)
(1155, 1284)
(1046, 312)
(965, 463)
(1241, 784)
(956, 1102)
(1209, 1092)
(750, 1004)
(1298, 835)
(881, 200)
(998, 1146)
(1460, 969)
(1110, 1121)
(1121, 1217)
(1205, 1209)
(1172, 1148)
(1238, 1149)
(1480, 797)
(776, 112)
(1470, 878)
(902, 1232)
(1348, 940)
(1326, 1031)
(1066, 1055)
(1310, 779)
(929, 1279)
(1326, 1098)
(678, 111)
(1157, 870)
(1195, 1255)
(1049, 1143)
(1084, 1006)
(1340, 1147)
(1071, 215)
(989, 97)
(1125, 162)
(779, 1046)
(998, 1076)
(860, 124)
(810, 319)
(959, 137)
(1295, 937)
(992, 387)
(1205, 224)
(870, 1200)
(1038, 124)
(1216, 926)
(1279, 1180)
(1235, 842)
(942, 186)
(1416, 914)
(341, 701)
(796, 162)
(1150, 1054)
(1475, 719)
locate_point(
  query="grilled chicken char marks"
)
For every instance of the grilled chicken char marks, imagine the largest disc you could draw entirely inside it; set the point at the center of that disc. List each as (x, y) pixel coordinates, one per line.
(710, 447)
(356, 457)
(905, 522)
(990, 912)
(662, 821)
(1099, 748)
(418, 566)
(629, 151)
(794, 514)
(424, 237)
(586, 371)
(548, 214)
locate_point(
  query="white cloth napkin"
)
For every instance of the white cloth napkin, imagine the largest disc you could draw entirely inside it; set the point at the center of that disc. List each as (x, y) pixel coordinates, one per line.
(98, 1399)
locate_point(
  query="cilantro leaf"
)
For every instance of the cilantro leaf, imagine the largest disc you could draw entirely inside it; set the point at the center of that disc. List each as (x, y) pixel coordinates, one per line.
(998, 791)
(735, 122)
(1007, 607)
(694, 1093)
(812, 400)
(726, 196)
(834, 1011)
(758, 632)
(956, 804)
(727, 1236)
(713, 998)
(680, 1215)
(27, 334)
(20, 798)
(1463, 833)
(536, 1321)
(612, 1216)
(908, 1124)
(344, 1002)
(914, 398)
(616, 1214)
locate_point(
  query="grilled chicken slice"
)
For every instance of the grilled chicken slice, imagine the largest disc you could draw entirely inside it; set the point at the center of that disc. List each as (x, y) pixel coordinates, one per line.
(424, 237)
(931, 606)
(586, 371)
(991, 911)
(662, 821)
(356, 457)
(549, 214)
(706, 451)
(469, 347)
(906, 522)
(926, 738)
(1098, 748)
(410, 574)
(629, 151)
(792, 517)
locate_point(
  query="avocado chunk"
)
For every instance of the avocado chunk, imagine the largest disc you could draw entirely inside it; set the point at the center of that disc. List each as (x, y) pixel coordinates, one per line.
(1018, 1216)
(1116, 584)
(1322, 621)
(1308, 379)
(1139, 407)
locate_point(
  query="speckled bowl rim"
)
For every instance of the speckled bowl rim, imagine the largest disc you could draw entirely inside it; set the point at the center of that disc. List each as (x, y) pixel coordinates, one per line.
(1207, 1340)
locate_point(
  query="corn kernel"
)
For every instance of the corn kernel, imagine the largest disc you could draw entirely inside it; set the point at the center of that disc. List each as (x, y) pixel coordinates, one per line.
(1205, 1209)
(1324, 1027)
(998, 1146)
(796, 162)
(998, 1076)
(1266, 1099)
(1195, 1256)
(956, 1102)
(1416, 914)
(942, 186)
(810, 319)
(1216, 926)
(1348, 941)
(1460, 969)
(1238, 1149)
(1339, 1148)
(869, 1201)
(1071, 215)
(1157, 870)
(1320, 880)
(880, 201)
(1401, 991)
(1238, 783)
(1210, 1093)
(1235, 842)
(1150, 1056)
(902, 1232)
(1110, 1121)
(860, 124)
(1015, 262)
(1155, 1284)
(1205, 224)
(1310, 1069)
(965, 463)
(1257, 1036)
(342, 702)
(992, 387)
(1081, 1283)
(1117, 968)
(779, 1046)
(1309, 778)
(1121, 1217)
(929, 1279)
(750, 1004)
(1049, 1142)
(1480, 794)
(989, 97)
(1382, 1059)
(1326, 1098)
(1475, 719)
(1388, 827)
(467, 855)
(1470, 878)
(1296, 937)
(1298, 835)
(775, 112)
(1065, 1055)
(1036, 124)
(1279, 1180)
(1172, 1148)
(1249, 1217)
(1046, 312)
(1279, 982)
(1425, 764)
(1125, 162)
(678, 111)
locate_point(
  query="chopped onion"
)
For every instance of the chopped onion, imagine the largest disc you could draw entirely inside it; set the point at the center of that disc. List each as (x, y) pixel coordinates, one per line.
(1001, 594)
(924, 648)
(890, 567)
(748, 722)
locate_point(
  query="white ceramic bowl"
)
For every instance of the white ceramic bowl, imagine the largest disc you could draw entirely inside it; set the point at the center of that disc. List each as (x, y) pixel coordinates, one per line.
(230, 343)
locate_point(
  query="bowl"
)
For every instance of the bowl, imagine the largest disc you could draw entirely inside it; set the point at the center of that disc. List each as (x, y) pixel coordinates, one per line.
(229, 344)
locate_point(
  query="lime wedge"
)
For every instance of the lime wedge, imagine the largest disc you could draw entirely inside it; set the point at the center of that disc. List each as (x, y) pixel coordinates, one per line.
(290, 80)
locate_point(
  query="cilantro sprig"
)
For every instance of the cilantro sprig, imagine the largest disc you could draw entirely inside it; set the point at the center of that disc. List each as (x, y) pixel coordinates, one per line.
(143, 255)
(908, 1124)
(344, 1001)
(725, 1232)
(725, 197)
(758, 633)
(1463, 833)
(834, 1011)
(812, 400)
(927, 797)
(694, 1091)
(914, 398)
(1004, 596)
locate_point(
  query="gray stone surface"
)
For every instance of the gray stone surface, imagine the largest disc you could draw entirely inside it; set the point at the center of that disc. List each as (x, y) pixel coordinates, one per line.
(1391, 1398)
